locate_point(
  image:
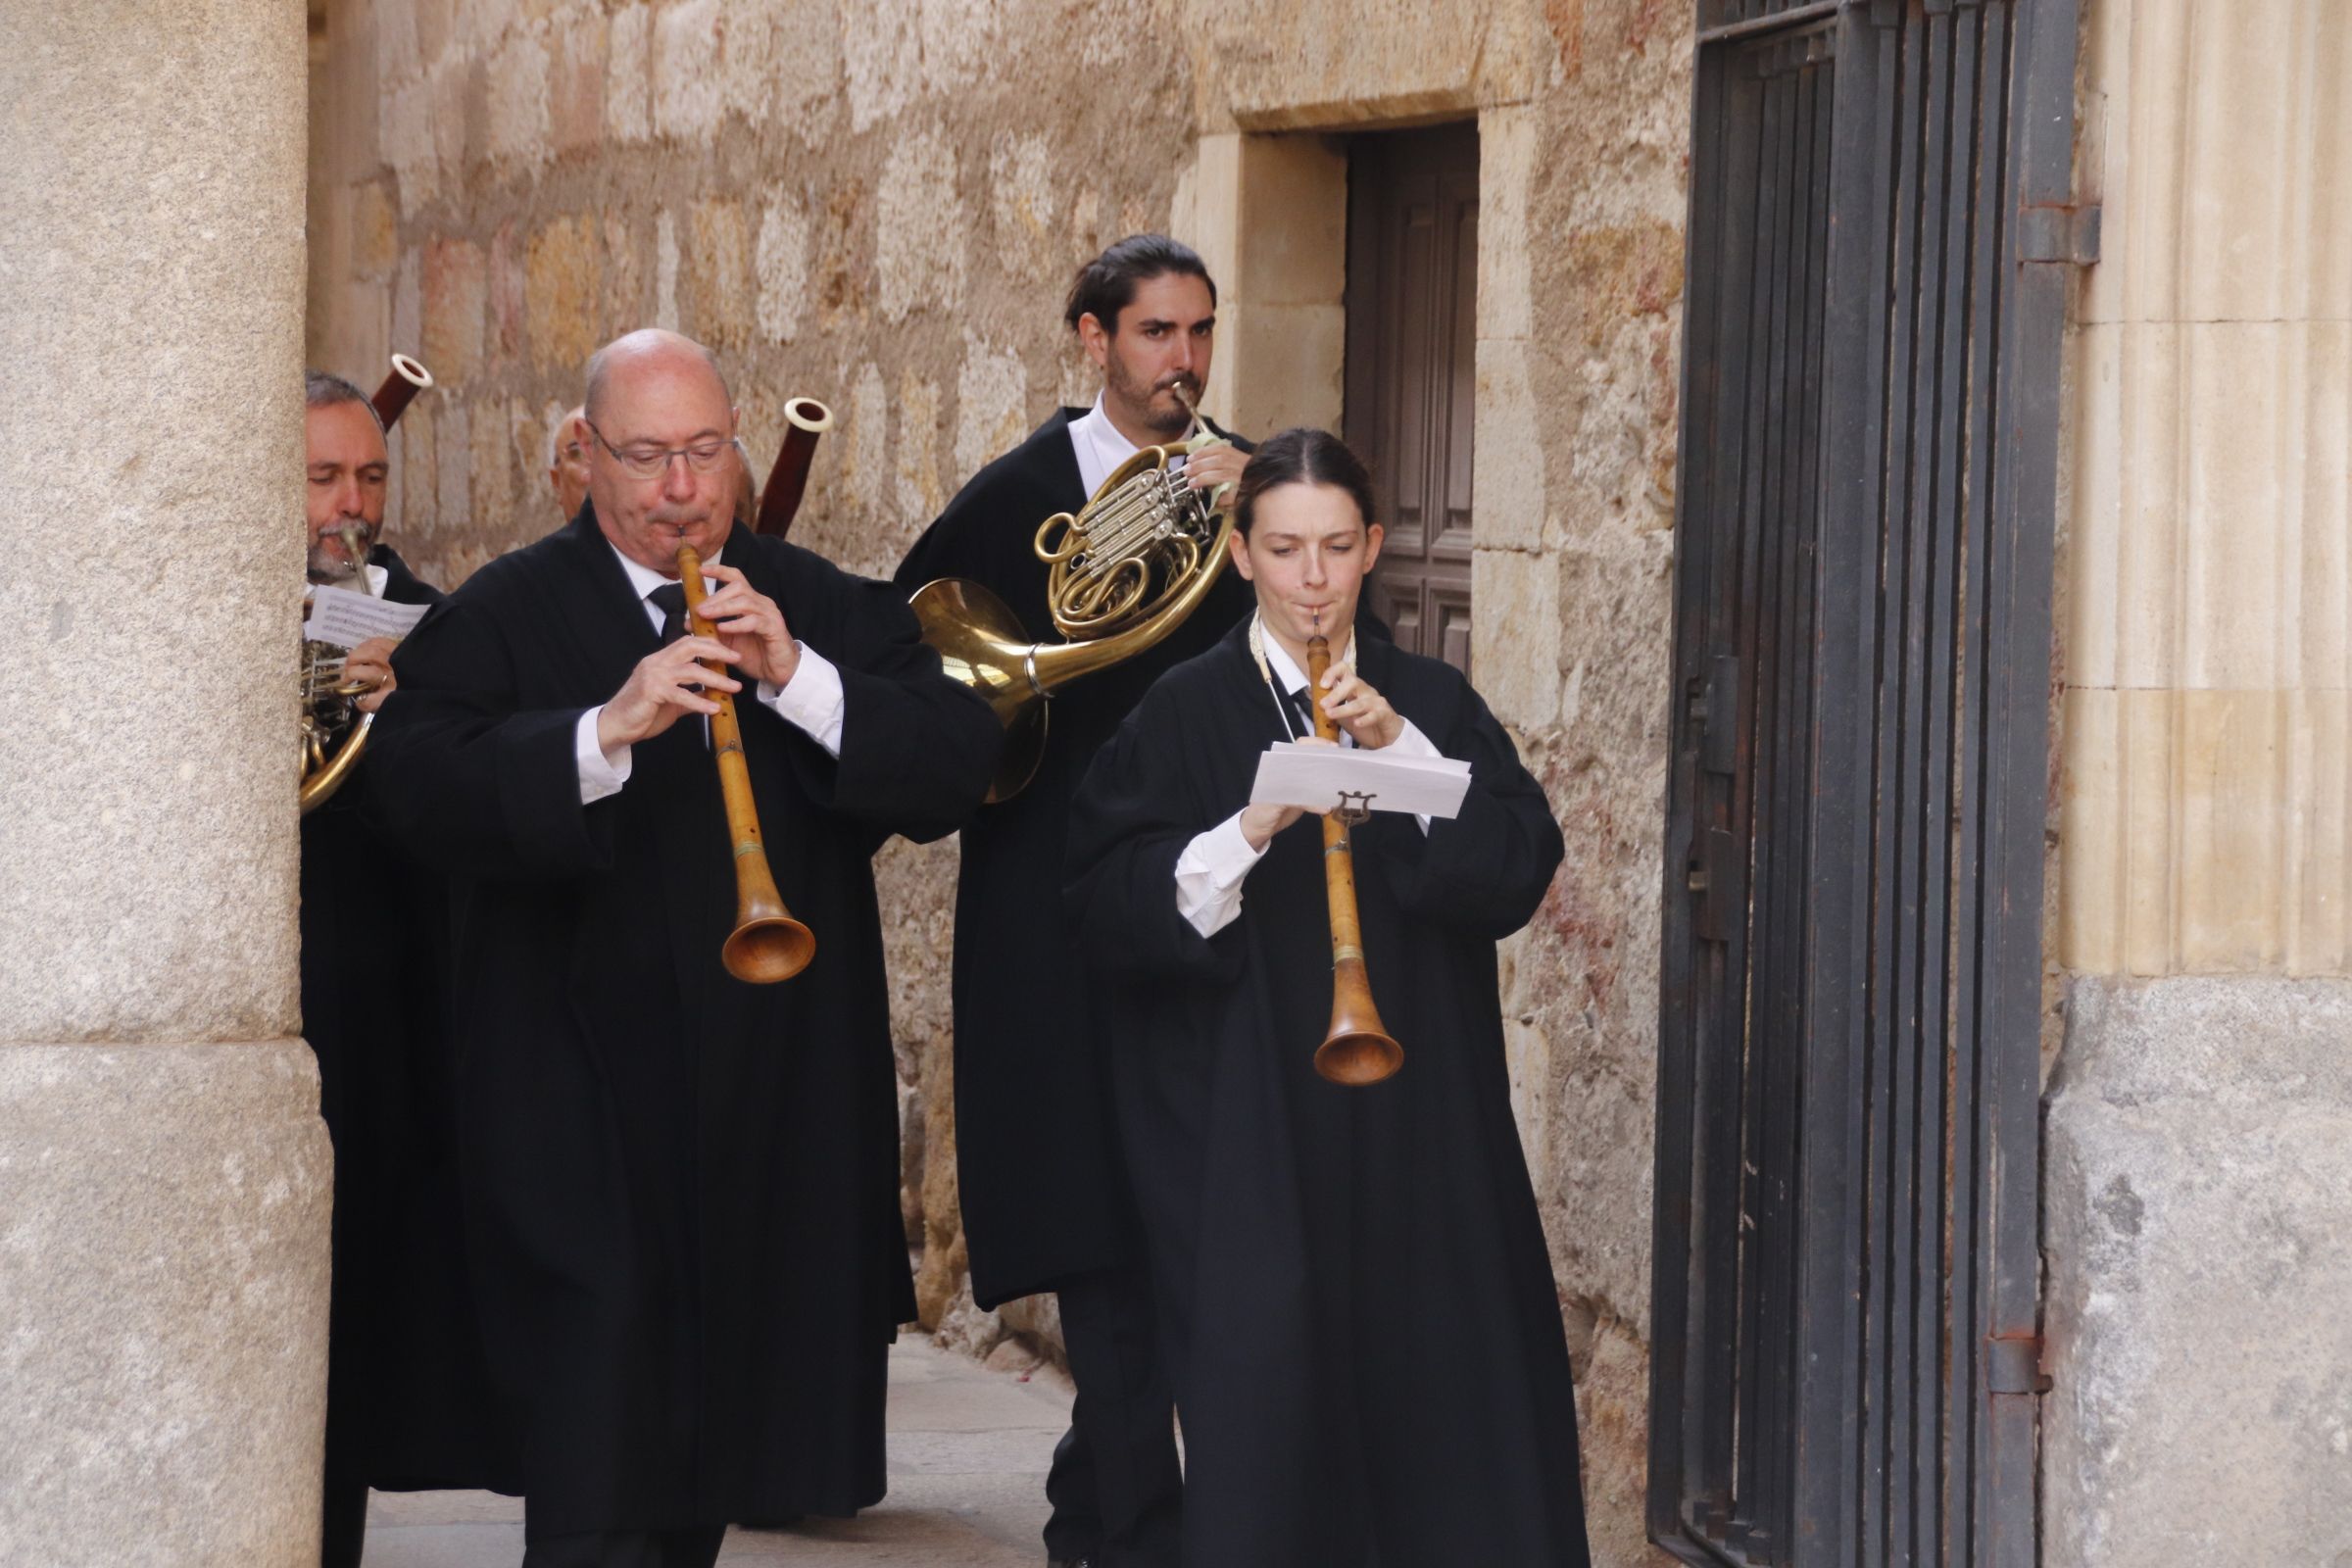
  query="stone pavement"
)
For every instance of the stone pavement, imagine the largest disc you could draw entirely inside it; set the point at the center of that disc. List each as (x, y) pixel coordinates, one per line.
(968, 1449)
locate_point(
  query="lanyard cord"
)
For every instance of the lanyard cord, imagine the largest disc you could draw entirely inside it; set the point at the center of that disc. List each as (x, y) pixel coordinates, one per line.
(1265, 671)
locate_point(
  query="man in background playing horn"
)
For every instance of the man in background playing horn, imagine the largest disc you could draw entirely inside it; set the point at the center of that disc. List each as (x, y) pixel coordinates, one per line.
(1044, 1199)
(402, 1364)
(349, 469)
(681, 1189)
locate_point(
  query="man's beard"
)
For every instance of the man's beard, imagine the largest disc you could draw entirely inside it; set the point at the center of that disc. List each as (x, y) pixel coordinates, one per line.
(327, 567)
(1170, 424)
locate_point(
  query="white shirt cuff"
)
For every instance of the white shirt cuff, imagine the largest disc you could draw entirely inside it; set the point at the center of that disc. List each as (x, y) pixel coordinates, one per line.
(1413, 743)
(599, 776)
(812, 701)
(1209, 874)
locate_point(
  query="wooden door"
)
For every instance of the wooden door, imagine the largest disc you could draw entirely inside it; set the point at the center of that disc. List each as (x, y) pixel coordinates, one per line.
(1412, 338)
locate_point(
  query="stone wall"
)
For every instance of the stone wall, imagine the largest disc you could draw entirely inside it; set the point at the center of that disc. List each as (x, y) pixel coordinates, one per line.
(2198, 1255)
(878, 203)
(2197, 1154)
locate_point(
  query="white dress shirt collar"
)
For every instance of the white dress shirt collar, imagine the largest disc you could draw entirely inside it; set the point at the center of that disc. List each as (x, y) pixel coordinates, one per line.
(813, 701)
(1283, 667)
(1099, 446)
(644, 579)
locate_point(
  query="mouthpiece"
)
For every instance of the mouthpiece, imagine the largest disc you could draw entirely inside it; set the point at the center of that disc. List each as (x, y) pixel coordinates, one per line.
(1191, 408)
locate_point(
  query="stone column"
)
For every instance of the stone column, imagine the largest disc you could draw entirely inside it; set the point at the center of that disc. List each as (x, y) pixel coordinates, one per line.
(163, 1175)
(2200, 1120)
(1269, 214)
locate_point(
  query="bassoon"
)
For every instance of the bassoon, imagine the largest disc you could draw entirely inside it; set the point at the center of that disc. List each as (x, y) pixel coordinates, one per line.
(1356, 1050)
(400, 388)
(805, 419)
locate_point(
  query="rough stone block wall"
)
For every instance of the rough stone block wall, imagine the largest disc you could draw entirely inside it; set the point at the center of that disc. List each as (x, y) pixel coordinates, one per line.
(879, 203)
(851, 203)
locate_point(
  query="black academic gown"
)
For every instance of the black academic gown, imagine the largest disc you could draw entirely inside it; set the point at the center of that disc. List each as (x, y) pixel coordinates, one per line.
(405, 1405)
(1038, 1169)
(1355, 1298)
(682, 1190)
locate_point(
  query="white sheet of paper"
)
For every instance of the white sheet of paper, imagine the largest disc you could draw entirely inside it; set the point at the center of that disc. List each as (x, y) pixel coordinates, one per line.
(348, 617)
(1314, 776)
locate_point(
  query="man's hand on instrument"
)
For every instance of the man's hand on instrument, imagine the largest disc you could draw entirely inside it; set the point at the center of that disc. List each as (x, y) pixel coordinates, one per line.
(370, 664)
(1216, 464)
(662, 689)
(1359, 709)
(752, 626)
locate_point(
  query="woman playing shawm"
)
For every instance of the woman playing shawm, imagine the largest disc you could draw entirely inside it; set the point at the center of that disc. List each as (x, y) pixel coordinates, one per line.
(1359, 1310)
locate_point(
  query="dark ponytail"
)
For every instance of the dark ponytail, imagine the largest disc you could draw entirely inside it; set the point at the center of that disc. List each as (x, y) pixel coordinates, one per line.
(1303, 456)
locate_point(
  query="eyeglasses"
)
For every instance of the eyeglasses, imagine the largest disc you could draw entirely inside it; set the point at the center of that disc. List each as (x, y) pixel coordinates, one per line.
(645, 460)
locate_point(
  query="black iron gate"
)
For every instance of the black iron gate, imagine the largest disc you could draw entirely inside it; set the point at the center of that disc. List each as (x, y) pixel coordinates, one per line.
(1846, 1292)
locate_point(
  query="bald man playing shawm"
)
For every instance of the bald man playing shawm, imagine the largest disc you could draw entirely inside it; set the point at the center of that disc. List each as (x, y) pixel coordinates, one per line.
(682, 1190)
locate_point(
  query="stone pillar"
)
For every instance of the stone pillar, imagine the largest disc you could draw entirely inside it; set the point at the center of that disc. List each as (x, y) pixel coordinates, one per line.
(163, 1175)
(2199, 1131)
(1269, 214)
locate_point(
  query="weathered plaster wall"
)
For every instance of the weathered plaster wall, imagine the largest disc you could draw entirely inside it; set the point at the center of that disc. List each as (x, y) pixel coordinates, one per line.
(879, 203)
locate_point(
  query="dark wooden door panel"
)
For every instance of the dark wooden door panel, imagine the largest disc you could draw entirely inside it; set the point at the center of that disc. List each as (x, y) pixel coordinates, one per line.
(1448, 613)
(1411, 381)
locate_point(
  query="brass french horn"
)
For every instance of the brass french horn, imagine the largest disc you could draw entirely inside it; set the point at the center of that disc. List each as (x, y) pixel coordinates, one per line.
(334, 732)
(1133, 563)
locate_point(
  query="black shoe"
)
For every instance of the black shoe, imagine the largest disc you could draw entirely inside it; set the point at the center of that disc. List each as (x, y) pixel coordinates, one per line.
(1069, 1562)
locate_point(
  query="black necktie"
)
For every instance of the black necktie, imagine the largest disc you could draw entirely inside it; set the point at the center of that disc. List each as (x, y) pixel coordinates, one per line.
(1306, 714)
(670, 600)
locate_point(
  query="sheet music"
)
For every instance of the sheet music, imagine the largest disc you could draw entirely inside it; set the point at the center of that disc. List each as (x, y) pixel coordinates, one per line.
(347, 617)
(1291, 773)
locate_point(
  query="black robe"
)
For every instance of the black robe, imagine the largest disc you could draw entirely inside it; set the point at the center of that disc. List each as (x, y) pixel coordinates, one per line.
(1036, 1166)
(1356, 1299)
(682, 1190)
(405, 1405)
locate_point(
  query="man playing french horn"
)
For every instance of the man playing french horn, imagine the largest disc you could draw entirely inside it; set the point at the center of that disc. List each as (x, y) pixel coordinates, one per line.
(348, 466)
(402, 1358)
(1042, 1190)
